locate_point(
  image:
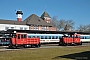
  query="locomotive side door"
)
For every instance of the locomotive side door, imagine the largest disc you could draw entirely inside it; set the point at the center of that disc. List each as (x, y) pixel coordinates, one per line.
(18, 39)
(21, 38)
(24, 38)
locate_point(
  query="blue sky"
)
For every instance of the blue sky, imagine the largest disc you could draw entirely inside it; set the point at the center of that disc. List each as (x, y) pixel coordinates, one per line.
(77, 10)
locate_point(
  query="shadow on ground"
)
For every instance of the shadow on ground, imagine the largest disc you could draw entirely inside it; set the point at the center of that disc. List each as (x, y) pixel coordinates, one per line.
(76, 56)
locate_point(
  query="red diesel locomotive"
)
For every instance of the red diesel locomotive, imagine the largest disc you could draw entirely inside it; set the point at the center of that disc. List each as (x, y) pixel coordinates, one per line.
(21, 40)
(70, 40)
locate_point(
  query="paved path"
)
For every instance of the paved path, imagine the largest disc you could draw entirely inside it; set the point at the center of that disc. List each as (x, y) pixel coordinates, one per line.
(4, 48)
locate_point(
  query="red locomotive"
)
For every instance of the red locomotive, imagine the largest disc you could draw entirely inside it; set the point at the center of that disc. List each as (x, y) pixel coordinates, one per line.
(21, 39)
(70, 40)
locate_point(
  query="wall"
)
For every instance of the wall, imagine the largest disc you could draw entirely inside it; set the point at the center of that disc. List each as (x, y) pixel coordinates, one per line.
(10, 26)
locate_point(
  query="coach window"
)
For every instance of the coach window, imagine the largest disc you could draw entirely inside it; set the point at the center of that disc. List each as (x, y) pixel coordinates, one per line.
(49, 37)
(59, 37)
(38, 36)
(52, 37)
(18, 36)
(34, 36)
(29, 36)
(45, 37)
(42, 37)
(56, 37)
(87, 37)
(82, 37)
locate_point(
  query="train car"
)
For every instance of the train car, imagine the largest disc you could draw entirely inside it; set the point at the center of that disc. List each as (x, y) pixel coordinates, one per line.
(55, 38)
(4, 40)
(47, 38)
(21, 40)
(85, 38)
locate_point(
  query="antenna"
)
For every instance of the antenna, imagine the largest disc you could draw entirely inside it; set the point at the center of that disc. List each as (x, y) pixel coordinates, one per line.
(45, 7)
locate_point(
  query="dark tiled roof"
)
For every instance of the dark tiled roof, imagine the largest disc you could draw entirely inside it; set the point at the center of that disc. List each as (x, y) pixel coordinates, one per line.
(35, 20)
(45, 14)
(2, 21)
(31, 20)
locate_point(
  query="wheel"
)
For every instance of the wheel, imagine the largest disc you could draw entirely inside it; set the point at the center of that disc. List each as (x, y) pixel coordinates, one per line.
(39, 44)
(80, 43)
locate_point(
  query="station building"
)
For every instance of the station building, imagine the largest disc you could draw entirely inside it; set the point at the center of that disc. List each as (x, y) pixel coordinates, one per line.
(33, 22)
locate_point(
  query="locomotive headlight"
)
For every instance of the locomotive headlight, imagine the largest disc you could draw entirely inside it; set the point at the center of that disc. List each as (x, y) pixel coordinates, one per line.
(14, 31)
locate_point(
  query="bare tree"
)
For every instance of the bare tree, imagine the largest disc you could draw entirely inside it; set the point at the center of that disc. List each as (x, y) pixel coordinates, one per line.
(88, 28)
(70, 24)
(54, 20)
(66, 24)
(60, 24)
(83, 28)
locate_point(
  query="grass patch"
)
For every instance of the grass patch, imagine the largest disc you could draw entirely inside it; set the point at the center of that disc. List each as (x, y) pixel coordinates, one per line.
(63, 53)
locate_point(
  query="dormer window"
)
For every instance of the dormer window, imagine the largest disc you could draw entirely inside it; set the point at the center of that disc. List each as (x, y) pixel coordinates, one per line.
(39, 21)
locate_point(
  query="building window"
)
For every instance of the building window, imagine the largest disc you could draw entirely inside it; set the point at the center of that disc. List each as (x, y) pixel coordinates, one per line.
(6, 28)
(35, 27)
(44, 28)
(21, 28)
(31, 27)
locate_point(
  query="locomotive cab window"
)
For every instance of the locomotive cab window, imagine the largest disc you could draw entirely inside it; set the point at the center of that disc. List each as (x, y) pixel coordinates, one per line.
(18, 36)
(22, 36)
(25, 36)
